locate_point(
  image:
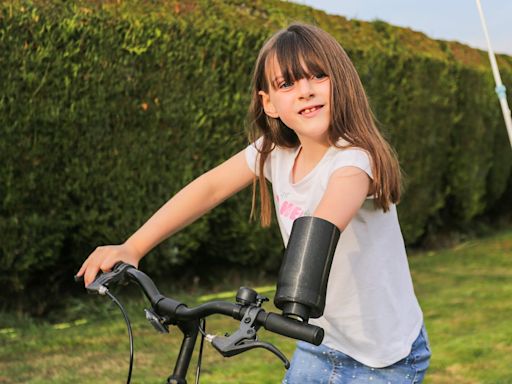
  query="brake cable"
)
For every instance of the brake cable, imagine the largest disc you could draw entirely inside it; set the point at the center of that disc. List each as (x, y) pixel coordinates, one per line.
(202, 329)
(128, 326)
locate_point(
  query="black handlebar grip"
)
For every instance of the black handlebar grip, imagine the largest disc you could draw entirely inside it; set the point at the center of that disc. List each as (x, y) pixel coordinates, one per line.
(293, 328)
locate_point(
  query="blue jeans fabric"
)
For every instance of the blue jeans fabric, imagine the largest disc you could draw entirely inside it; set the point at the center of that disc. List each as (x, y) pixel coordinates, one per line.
(323, 365)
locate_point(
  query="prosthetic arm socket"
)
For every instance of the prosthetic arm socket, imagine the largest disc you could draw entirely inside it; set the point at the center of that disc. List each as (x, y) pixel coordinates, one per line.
(302, 281)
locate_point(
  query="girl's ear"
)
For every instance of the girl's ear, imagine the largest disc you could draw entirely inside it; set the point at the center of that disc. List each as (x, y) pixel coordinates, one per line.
(268, 107)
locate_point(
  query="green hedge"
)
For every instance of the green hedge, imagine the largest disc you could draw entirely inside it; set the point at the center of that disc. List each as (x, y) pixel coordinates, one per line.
(108, 109)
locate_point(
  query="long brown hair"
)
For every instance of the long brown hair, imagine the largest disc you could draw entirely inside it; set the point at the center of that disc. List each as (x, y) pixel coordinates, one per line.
(300, 49)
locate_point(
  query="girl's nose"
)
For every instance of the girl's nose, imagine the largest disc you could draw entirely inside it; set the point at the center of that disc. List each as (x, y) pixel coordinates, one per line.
(305, 88)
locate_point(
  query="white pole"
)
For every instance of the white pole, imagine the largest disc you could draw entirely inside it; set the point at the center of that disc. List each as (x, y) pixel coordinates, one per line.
(500, 88)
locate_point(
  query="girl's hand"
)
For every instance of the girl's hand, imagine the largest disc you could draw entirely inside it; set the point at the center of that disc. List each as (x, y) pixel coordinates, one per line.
(104, 258)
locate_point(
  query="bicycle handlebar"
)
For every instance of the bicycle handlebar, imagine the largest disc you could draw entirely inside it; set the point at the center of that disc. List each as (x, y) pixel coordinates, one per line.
(272, 322)
(122, 273)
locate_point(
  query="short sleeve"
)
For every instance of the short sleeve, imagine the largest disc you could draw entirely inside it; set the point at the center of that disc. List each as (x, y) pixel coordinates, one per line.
(252, 157)
(352, 157)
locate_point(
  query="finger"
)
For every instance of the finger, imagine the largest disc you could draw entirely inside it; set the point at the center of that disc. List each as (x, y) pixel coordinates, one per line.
(90, 274)
(82, 268)
(87, 261)
(107, 265)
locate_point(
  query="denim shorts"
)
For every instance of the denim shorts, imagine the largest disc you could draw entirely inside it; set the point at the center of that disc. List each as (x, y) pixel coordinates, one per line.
(323, 365)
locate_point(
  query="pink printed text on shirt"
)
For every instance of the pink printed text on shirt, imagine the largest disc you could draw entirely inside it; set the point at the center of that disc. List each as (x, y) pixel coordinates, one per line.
(288, 209)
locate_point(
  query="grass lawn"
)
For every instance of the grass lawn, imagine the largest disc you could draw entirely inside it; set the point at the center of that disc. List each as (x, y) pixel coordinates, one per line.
(465, 293)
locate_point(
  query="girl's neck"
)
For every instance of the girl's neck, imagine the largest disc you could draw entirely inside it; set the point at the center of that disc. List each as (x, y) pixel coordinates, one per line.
(309, 155)
(312, 151)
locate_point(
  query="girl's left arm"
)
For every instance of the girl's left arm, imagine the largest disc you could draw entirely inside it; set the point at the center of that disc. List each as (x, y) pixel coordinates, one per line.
(346, 191)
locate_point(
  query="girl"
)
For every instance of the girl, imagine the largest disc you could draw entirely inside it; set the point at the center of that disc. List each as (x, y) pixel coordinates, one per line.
(314, 138)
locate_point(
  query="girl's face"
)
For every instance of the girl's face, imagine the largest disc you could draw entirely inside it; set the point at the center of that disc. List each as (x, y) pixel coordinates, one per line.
(303, 105)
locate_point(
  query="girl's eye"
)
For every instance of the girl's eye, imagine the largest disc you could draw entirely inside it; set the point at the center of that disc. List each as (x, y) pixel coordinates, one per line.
(320, 75)
(284, 84)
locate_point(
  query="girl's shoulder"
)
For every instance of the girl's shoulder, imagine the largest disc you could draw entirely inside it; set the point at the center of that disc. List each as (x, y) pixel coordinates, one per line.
(345, 154)
(343, 144)
(343, 148)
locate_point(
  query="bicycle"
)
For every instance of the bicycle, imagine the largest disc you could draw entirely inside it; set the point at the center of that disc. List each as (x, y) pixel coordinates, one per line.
(166, 311)
(300, 294)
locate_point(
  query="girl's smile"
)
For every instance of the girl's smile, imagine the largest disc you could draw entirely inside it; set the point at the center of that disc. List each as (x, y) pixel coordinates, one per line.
(309, 112)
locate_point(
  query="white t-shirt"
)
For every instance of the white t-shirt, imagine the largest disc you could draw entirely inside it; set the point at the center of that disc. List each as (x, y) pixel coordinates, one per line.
(371, 311)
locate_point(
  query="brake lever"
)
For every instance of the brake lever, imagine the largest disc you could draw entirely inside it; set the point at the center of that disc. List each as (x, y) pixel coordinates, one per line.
(245, 338)
(116, 275)
(158, 322)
